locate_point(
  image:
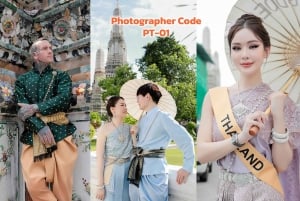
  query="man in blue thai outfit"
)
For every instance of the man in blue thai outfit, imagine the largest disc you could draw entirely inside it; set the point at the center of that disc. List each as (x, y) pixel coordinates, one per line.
(148, 173)
(48, 153)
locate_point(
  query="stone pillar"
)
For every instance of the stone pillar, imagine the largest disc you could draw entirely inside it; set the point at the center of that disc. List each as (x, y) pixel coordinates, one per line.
(10, 176)
(81, 188)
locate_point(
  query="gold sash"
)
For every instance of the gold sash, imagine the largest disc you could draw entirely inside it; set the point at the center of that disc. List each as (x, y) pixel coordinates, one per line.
(58, 118)
(110, 162)
(41, 151)
(252, 159)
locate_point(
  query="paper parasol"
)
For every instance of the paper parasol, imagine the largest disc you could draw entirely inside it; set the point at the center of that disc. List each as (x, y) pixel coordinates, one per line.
(128, 92)
(282, 20)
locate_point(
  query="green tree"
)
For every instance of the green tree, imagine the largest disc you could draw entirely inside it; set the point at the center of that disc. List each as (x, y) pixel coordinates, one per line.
(153, 73)
(185, 95)
(171, 59)
(95, 119)
(92, 131)
(191, 128)
(130, 120)
(168, 63)
(111, 85)
(95, 122)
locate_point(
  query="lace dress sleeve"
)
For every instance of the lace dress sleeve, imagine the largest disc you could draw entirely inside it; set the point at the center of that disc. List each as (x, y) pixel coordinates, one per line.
(292, 119)
(290, 178)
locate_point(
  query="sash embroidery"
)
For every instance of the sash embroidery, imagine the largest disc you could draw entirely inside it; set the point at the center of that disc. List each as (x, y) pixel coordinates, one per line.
(41, 151)
(251, 158)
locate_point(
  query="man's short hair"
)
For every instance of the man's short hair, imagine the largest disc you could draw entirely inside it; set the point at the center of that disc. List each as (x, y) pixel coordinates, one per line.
(34, 48)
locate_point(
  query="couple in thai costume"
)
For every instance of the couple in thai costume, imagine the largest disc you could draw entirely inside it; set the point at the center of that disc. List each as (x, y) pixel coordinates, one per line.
(131, 159)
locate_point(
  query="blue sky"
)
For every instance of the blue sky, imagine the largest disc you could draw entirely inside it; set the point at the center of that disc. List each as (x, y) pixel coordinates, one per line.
(101, 12)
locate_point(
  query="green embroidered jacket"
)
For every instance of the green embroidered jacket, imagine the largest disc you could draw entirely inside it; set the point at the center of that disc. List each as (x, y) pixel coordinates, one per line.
(52, 93)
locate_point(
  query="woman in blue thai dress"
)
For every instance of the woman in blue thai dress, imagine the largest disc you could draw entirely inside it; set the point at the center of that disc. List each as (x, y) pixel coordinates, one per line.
(113, 149)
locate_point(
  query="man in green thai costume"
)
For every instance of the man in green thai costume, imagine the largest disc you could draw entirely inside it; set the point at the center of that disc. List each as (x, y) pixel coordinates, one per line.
(48, 153)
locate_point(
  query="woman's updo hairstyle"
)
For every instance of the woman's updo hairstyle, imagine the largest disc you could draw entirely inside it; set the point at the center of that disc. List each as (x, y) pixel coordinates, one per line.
(111, 102)
(253, 23)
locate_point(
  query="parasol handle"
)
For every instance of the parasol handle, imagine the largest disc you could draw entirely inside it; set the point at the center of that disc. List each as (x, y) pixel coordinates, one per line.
(254, 129)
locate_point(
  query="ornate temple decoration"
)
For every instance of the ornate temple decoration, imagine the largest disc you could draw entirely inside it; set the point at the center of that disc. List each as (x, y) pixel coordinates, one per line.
(22, 22)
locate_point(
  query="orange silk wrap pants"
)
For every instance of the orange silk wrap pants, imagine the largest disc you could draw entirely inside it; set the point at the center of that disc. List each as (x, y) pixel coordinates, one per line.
(57, 170)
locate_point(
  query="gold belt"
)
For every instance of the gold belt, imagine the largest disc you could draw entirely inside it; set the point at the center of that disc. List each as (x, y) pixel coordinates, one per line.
(58, 118)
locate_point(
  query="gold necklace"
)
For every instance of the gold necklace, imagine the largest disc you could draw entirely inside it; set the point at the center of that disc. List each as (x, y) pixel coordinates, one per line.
(121, 136)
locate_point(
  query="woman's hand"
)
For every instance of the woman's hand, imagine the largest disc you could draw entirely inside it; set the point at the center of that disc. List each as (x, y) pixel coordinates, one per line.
(257, 119)
(277, 100)
(100, 193)
(133, 132)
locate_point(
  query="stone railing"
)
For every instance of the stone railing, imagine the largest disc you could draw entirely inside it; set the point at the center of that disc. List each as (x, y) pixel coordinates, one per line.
(183, 192)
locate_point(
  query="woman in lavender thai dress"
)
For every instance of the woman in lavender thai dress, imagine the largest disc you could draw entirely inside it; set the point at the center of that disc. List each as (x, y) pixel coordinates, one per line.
(114, 146)
(278, 137)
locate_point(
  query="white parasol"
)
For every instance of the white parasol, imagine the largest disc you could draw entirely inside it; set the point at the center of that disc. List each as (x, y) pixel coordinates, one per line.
(282, 21)
(128, 92)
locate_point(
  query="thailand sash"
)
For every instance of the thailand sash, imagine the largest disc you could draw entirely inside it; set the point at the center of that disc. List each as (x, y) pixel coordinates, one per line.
(252, 159)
